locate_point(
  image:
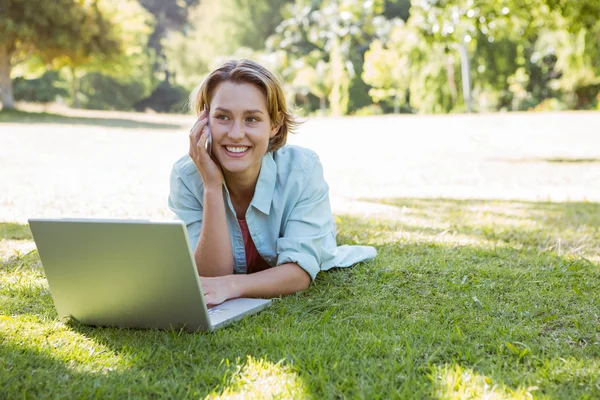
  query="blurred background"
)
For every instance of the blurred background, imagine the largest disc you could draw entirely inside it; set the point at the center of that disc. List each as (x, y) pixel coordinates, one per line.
(336, 57)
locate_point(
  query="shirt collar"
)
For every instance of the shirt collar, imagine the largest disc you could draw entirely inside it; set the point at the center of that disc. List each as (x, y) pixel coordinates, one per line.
(265, 186)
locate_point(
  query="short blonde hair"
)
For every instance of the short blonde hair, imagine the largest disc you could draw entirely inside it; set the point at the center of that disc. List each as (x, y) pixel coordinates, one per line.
(247, 71)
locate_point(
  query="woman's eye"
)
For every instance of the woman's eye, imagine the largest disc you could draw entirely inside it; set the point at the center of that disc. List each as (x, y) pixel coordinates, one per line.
(252, 119)
(221, 117)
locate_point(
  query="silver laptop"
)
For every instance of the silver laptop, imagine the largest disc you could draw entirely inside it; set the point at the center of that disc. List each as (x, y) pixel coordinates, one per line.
(128, 273)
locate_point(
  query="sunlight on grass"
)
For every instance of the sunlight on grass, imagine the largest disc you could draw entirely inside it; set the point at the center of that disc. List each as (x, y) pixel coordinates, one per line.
(563, 371)
(261, 379)
(455, 382)
(53, 340)
(15, 248)
(571, 229)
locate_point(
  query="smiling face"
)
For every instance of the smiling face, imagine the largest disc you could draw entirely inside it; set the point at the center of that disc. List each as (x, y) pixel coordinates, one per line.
(241, 129)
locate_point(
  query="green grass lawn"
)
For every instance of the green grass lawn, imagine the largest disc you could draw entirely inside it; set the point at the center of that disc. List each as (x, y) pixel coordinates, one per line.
(466, 299)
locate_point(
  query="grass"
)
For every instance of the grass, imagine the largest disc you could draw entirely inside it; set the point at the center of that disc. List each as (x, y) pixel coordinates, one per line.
(466, 299)
(45, 118)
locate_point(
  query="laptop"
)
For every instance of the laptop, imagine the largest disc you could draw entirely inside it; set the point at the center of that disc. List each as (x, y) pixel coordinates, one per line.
(129, 273)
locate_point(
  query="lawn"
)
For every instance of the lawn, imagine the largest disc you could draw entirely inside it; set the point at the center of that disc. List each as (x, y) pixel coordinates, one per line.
(486, 296)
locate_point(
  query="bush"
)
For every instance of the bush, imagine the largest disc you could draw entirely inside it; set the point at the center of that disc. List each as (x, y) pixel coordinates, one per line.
(44, 89)
(373, 109)
(165, 98)
(552, 104)
(102, 92)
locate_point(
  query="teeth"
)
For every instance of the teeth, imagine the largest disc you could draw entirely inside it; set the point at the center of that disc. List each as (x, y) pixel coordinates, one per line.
(237, 149)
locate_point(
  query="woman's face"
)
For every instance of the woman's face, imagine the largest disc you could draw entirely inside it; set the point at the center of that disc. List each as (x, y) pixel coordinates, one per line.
(240, 126)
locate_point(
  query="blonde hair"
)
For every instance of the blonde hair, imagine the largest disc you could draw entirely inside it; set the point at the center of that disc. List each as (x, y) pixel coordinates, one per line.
(247, 71)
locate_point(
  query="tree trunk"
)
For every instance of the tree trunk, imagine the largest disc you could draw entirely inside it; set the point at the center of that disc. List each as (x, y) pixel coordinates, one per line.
(74, 89)
(323, 104)
(397, 103)
(466, 75)
(6, 89)
(451, 80)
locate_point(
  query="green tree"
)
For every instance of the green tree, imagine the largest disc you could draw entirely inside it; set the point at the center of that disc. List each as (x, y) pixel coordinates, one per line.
(577, 66)
(392, 69)
(124, 26)
(340, 81)
(63, 33)
(341, 31)
(170, 15)
(315, 80)
(491, 40)
(218, 28)
(27, 28)
(580, 14)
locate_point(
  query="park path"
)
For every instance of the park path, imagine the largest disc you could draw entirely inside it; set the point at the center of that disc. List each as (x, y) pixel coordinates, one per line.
(122, 170)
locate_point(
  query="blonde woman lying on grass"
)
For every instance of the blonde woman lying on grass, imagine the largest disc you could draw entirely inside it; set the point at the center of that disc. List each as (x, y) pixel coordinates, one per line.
(257, 210)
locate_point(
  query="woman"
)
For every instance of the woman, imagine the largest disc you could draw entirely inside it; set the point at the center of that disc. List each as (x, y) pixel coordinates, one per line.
(257, 211)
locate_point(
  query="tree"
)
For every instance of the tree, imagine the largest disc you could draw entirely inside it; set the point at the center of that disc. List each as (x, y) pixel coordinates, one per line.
(580, 14)
(123, 27)
(341, 31)
(170, 15)
(491, 39)
(577, 67)
(59, 27)
(315, 80)
(217, 28)
(340, 80)
(391, 69)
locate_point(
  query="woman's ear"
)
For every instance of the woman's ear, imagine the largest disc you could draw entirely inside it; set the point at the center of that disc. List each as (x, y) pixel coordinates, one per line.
(276, 125)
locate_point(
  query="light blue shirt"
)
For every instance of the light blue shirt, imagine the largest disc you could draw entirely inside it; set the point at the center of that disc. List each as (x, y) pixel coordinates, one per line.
(289, 218)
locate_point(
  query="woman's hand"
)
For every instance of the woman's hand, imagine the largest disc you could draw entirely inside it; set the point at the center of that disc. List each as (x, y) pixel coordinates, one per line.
(216, 290)
(210, 171)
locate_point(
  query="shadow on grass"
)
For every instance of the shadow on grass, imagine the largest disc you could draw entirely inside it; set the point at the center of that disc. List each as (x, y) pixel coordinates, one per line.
(422, 320)
(553, 160)
(22, 117)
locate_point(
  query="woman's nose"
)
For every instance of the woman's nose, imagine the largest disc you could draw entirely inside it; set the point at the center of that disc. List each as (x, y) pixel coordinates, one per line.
(237, 130)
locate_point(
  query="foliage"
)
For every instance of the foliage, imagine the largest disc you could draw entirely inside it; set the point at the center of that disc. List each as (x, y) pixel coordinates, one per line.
(169, 15)
(217, 29)
(392, 69)
(512, 55)
(59, 27)
(337, 32)
(165, 98)
(101, 35)
(338, 56)
(123, 55)
(550, 105)
(49, 31)
(577, 58)
(44, 89)
(373, 109)
(102, 92)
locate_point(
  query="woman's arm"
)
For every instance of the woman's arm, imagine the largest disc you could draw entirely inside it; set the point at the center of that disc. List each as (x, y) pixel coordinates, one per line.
(214, 253)
(281, 280)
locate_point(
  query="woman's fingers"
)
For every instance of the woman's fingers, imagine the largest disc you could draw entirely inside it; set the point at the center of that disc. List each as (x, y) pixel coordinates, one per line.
(195, 134)
(201, 143)
(208, 299)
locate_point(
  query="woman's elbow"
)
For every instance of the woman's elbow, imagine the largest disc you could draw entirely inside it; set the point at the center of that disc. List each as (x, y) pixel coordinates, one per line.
(303, 281)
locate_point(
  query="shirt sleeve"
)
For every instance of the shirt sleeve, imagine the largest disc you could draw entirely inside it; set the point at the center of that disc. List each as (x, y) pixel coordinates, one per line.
(309, 230)
(186, 206)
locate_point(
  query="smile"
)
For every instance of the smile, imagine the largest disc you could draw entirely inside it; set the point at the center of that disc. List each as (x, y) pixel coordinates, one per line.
(237, 150)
